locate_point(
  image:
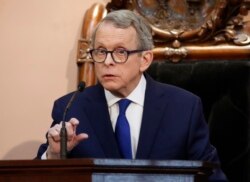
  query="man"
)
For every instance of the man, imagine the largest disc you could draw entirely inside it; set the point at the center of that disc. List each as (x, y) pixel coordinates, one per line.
(164, 122)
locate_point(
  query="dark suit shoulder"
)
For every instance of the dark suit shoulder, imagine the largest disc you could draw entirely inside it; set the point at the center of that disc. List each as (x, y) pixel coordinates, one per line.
(178, 90)
(171, 91)
(87, 93)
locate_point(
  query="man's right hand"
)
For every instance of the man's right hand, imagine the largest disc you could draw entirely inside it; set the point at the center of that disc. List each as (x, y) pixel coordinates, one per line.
(53, 150)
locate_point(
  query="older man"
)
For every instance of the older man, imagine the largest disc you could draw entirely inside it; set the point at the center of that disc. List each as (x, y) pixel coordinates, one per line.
(128, 114)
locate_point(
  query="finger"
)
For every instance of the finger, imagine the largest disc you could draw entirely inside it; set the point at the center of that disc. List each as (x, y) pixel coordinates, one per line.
(57, 127)
(70, 127)
(82, 136)
(78, 139)
(70, 130)
(75, 122)
(54, 133)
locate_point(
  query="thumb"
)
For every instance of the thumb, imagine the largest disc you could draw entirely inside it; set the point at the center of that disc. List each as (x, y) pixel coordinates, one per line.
(81, 136)
(77, 140)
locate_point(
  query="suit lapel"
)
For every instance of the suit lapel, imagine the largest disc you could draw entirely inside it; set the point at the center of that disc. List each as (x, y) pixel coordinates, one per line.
(100, 121)
(154, 105)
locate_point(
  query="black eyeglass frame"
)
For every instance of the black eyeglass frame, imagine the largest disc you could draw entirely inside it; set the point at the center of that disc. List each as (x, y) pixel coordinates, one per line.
(129, 52)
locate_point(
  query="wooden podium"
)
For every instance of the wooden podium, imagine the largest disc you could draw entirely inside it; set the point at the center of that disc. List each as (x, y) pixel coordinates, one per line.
(104, 170)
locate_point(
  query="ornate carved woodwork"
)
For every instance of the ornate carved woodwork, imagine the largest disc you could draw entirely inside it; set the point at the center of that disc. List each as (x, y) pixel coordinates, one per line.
(85, 63)
(183, 30)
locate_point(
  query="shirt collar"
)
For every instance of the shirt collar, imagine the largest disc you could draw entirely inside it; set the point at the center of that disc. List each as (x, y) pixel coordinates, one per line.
(136, 96)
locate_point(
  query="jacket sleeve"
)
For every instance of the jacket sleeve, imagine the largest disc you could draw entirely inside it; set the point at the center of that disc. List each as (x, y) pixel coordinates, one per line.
(199, 146)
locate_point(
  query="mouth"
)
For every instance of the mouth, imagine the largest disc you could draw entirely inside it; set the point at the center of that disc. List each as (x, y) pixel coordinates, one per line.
(108, 76)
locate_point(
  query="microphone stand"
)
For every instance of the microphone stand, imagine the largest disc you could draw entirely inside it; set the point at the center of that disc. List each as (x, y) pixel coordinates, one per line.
(63, 131)
(64, 138)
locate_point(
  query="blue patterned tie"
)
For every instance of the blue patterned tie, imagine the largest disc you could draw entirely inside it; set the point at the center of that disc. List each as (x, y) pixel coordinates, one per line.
(122, 130)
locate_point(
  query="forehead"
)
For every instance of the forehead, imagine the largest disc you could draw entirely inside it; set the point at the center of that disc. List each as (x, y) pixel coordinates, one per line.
(109, 35)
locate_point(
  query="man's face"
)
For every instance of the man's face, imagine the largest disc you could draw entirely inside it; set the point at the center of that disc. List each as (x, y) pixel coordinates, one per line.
(119, 78)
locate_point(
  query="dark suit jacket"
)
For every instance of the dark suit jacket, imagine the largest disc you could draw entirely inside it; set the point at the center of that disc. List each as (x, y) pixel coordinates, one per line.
(173, 125)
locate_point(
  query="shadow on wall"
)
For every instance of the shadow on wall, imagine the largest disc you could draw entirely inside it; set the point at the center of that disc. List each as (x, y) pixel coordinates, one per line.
(26, 150)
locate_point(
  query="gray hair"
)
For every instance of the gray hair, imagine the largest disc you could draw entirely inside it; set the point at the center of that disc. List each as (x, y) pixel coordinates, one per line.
(124, 19)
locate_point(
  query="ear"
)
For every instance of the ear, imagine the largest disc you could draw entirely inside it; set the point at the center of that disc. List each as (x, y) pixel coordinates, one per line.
(146, 60)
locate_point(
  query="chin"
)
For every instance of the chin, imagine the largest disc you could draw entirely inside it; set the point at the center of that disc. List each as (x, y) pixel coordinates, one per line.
(110, 86)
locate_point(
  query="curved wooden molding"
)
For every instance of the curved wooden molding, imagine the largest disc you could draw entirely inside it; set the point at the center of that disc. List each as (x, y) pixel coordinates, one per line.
(181, 26)
(183, 30)
(86, 67)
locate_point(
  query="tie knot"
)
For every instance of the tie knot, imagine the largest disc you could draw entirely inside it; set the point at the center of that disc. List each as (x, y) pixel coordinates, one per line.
(123, 104)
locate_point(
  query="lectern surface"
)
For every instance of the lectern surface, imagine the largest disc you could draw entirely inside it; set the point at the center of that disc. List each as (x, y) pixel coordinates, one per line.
(104, 170)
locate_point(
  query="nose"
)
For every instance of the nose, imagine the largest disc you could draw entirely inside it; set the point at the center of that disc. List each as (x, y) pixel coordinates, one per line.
(109, 60)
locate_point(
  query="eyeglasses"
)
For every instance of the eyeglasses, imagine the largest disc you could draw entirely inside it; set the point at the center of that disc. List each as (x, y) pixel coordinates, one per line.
(118, 55)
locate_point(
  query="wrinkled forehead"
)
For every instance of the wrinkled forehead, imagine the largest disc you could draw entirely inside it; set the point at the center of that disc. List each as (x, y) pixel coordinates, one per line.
(108, 32)
(114, 25)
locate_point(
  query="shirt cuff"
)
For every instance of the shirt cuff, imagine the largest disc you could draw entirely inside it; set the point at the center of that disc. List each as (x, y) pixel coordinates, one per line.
(44, 156)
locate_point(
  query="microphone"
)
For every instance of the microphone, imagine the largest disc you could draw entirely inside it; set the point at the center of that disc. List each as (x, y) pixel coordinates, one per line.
(63, 132)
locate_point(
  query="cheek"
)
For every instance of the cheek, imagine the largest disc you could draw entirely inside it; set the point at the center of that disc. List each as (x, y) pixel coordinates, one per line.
(97, 69)
(130, 72)
(134, 67)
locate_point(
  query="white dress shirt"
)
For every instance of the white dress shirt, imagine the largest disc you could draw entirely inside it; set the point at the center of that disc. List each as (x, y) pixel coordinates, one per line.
(133, 112)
